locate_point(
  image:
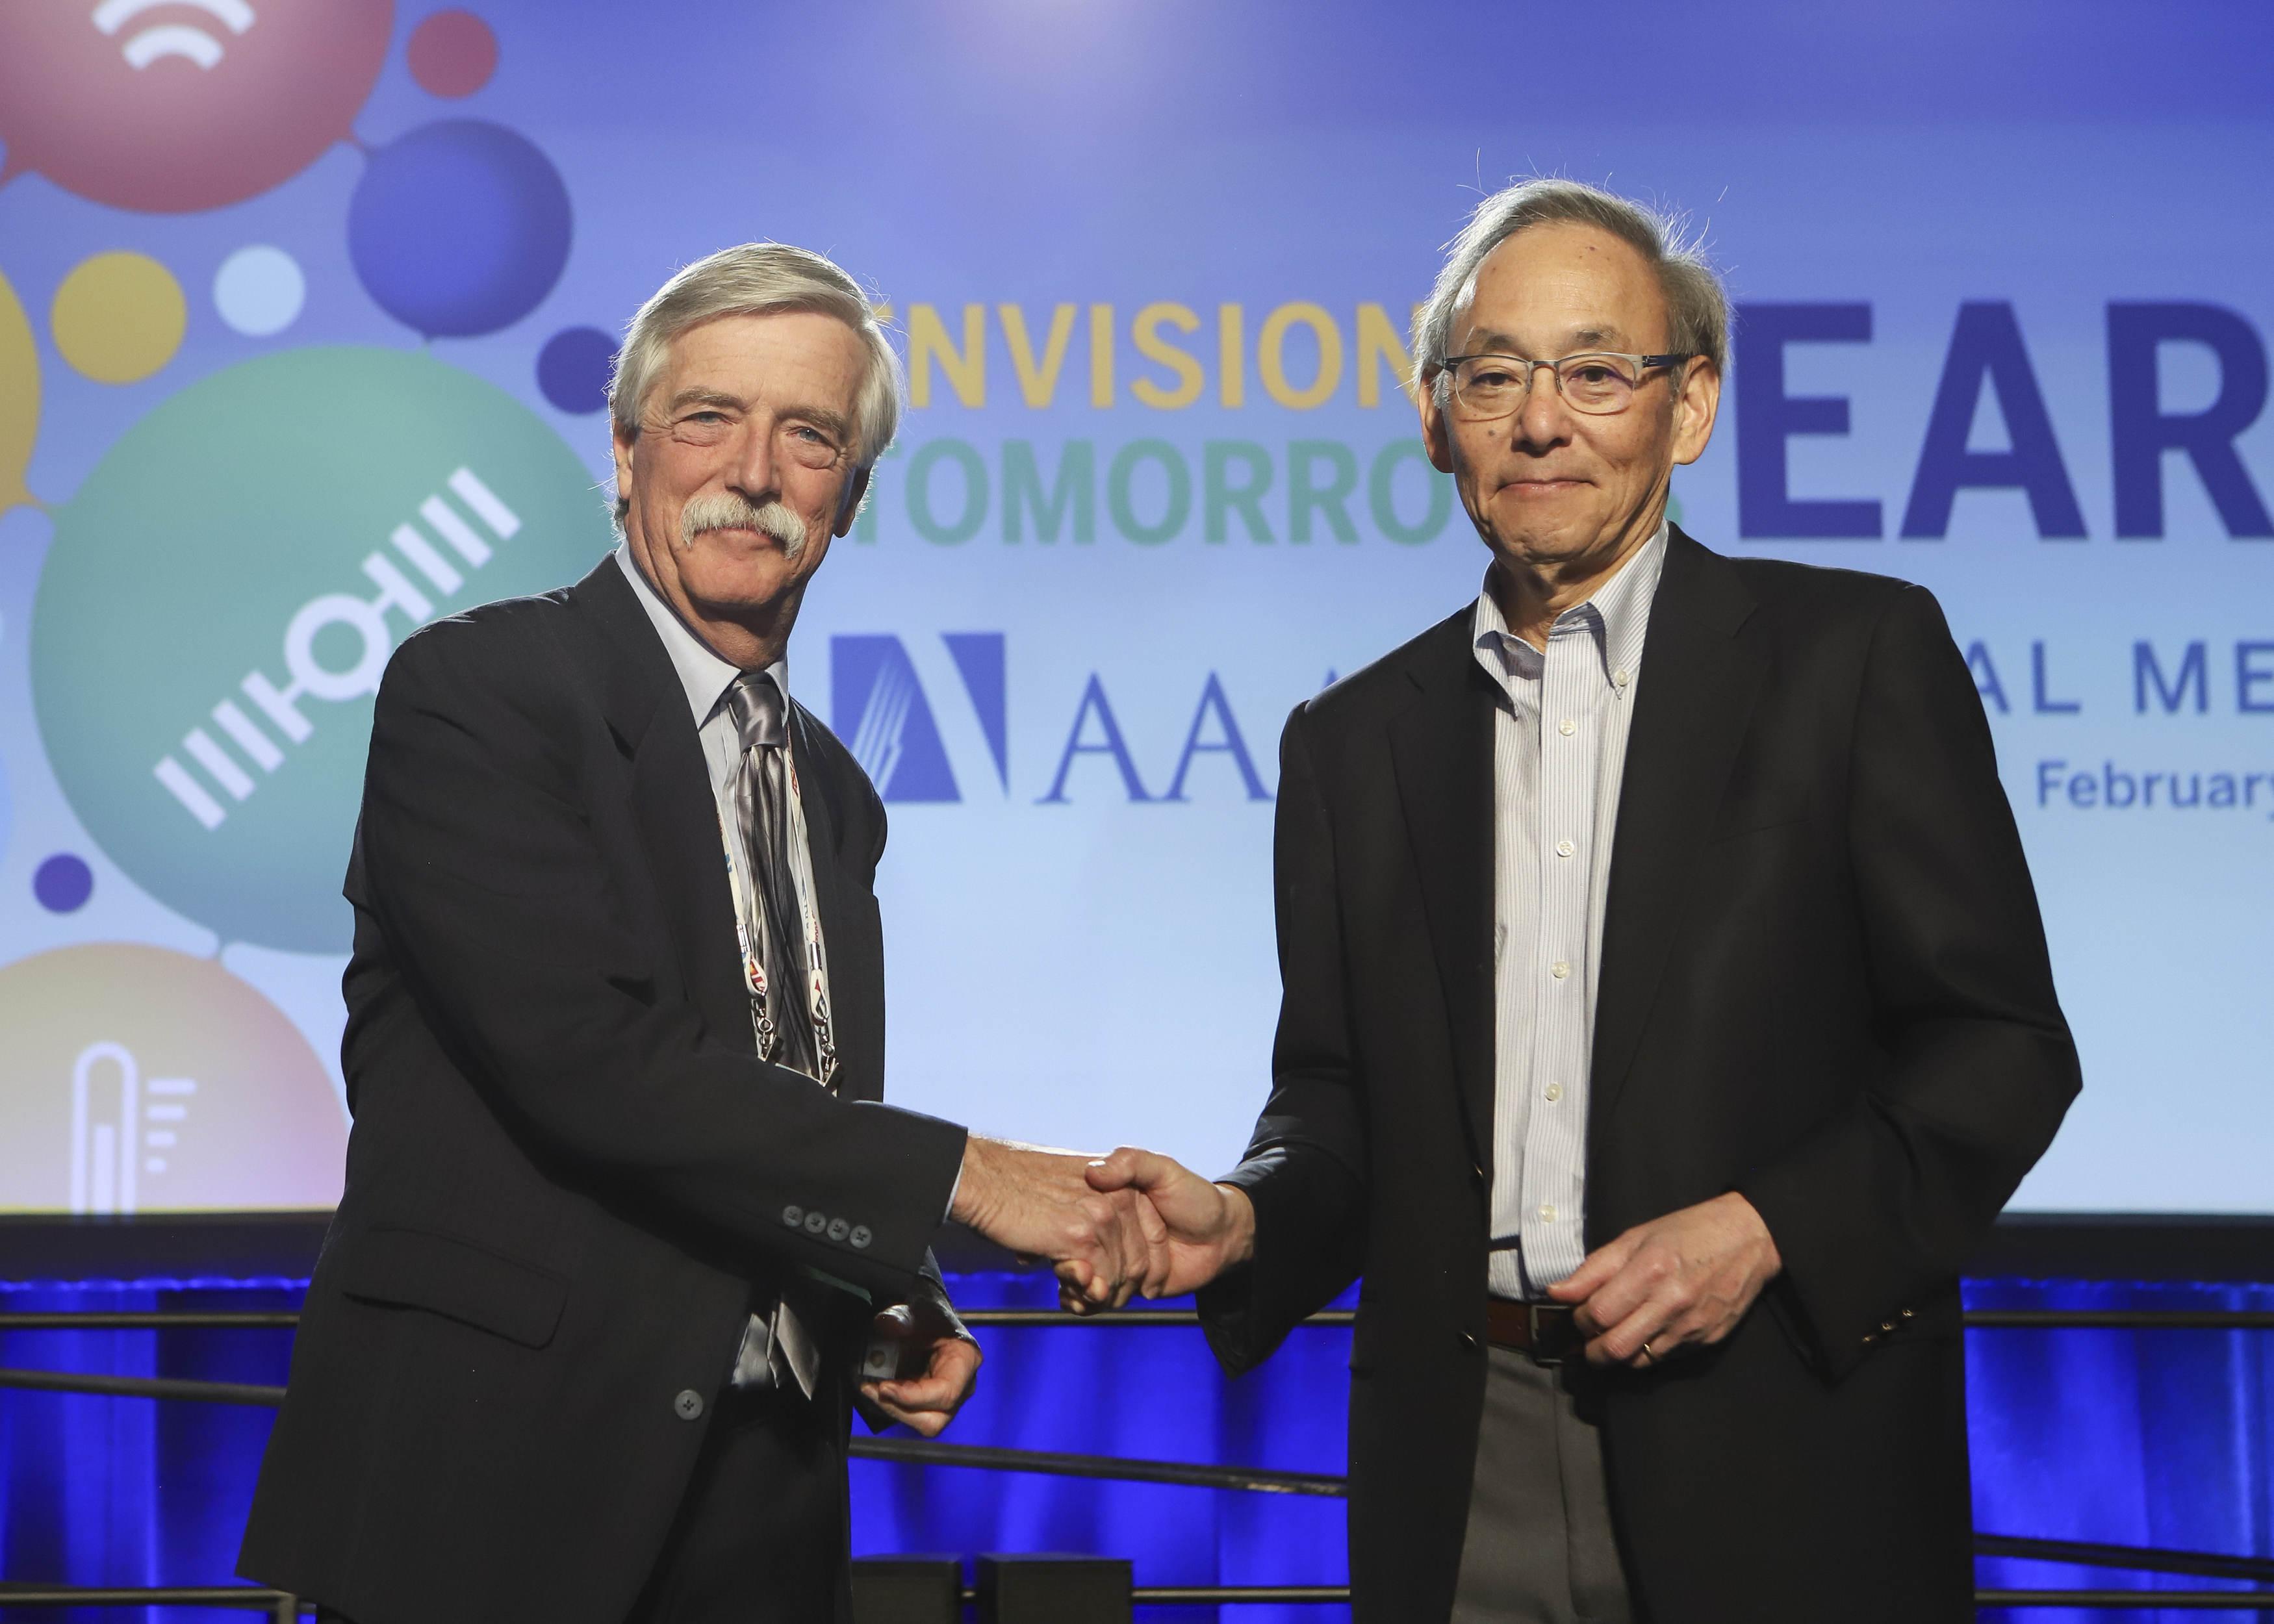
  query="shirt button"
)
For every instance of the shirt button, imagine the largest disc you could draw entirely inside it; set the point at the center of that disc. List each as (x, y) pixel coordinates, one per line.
(1567, 728)
(1552, 1092)
(1620, 677)
(1564, 848)
(1559, 969)
(688, 1405)
(1548, 1213)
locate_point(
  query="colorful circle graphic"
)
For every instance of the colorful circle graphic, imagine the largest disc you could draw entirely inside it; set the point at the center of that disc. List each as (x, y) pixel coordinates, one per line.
(222, 594)
(170, 105)
(258, 290)
(118, 317)
(459, 228)
(452, 54)
(572, 369)
(138, 1079)
(62, 883)
(20, 397)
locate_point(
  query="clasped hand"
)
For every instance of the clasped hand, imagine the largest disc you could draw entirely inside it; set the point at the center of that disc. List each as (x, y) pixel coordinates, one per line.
(1114, 1227)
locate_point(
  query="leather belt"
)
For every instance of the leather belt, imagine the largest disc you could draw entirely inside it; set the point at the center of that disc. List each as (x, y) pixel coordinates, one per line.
(1543, 1331)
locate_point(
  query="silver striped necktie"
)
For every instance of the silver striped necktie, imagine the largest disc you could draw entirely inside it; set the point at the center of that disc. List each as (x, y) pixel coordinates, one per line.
(761, 799)
(763, 824)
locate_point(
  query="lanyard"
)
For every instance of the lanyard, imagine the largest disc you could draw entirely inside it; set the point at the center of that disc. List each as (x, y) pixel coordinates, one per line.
(749, 926)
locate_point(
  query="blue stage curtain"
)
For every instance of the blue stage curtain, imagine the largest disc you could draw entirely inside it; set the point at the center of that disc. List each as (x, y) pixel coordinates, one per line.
(1146, 1393)
(2134, 1438)
(129, 1492)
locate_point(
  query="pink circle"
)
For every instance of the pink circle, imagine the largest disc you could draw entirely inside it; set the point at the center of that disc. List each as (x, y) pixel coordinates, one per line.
(453, 54)
(184, 108)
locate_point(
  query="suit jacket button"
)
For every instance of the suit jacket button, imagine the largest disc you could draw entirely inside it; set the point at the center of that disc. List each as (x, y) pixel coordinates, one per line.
(860, 1238)
(1469, 1340)
(793, 1216)
(816, 1222)
(1869, 1338)
(1886, 1328)
(838, 1229)
(688, 1405)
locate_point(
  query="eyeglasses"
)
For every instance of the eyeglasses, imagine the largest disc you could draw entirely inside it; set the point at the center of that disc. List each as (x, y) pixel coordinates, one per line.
(1598, 382)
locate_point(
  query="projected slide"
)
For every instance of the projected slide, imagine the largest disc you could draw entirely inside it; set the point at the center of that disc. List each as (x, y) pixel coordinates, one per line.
(305, 313)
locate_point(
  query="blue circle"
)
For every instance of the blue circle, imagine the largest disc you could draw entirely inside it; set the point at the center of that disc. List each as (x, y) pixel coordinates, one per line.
(63, 883)
(459, 228)
(572, 369)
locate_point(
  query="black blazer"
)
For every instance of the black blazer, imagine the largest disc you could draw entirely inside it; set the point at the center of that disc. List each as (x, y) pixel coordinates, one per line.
(1824, 984)
(570, 1174)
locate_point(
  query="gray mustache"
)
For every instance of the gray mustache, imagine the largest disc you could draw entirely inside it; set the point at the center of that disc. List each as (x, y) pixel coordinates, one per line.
(724, 511)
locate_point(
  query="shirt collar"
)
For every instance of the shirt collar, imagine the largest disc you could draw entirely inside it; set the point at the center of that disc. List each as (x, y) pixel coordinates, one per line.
(705, 677)
(1618, 613)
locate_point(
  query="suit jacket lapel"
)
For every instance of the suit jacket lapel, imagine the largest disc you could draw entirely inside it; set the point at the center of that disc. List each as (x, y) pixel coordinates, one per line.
(1693, 702)
(646, 709)
(1442, 745)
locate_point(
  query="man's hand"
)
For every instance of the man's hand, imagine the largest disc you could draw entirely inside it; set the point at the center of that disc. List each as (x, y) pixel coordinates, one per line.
(1688, 1277)
(928, 1402)
(1106, 1243)
(1209, 1227)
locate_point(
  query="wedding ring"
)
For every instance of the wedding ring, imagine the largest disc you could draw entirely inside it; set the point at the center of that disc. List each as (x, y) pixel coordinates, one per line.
(1648, 1357)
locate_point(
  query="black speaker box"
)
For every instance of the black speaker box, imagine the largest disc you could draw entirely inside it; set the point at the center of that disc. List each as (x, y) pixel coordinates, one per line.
(907, 1589)
(1053, 1590)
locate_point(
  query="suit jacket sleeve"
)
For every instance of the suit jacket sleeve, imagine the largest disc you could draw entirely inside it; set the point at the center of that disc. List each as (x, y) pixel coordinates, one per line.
(485, 873)
(1304, 1169)
(1884, 1202)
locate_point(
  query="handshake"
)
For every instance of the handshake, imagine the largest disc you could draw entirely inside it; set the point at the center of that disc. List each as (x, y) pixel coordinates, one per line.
(1133, 1224)
(1113, 1226)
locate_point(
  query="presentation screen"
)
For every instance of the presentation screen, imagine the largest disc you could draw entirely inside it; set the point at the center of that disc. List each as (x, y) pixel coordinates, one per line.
(306, 311)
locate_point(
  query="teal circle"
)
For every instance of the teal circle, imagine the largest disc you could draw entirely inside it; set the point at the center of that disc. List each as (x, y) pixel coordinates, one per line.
(235, 520)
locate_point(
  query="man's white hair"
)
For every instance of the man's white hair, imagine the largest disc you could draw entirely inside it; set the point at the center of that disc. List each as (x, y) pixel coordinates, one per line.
(1696, 305)
(757, 278)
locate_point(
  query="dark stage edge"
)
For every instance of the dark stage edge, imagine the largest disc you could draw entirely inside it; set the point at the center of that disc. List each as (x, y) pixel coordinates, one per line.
(227, 1248)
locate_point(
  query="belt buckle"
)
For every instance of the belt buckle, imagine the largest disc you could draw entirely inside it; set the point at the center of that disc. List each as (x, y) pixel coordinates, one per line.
(1540, 1351)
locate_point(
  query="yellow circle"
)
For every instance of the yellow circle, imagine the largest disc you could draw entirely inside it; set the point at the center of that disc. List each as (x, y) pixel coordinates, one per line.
(20, 397)
(118, 317)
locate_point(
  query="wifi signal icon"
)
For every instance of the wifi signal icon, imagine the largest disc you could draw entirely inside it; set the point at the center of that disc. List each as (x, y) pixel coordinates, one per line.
(147, 45)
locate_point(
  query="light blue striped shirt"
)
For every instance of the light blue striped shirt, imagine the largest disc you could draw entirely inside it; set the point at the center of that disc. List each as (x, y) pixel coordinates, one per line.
(1559, 753)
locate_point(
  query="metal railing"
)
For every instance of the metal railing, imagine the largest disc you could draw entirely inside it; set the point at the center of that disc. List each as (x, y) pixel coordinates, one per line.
(286, 1609)
(925, 1452)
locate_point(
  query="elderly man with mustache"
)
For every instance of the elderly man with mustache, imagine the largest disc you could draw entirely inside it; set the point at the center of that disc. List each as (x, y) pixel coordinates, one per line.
(625, 1222)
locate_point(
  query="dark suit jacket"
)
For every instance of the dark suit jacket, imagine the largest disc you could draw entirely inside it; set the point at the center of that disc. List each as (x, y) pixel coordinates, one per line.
(570, 1173)
(1823, 983)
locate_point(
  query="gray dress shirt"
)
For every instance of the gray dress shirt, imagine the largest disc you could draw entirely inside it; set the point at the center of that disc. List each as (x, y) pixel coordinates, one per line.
(1559, 753)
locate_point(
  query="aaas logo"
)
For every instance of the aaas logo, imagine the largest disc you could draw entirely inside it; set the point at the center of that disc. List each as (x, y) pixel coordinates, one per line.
(911, 711)
(881, 708)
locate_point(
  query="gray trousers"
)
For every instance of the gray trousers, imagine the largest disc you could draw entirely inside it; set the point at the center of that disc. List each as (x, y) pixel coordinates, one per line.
(1539, 1547)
